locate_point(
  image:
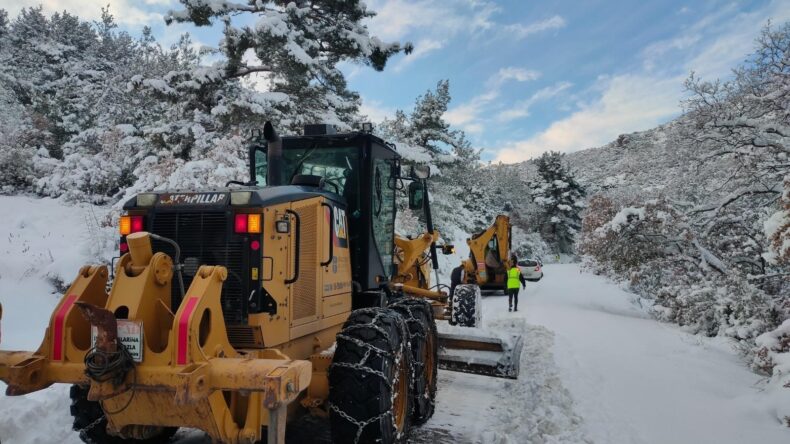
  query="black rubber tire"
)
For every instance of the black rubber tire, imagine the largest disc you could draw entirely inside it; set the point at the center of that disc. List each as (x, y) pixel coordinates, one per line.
(87, 412)
(371, 359)
(308, 429)
(467, 310)
(424, 341)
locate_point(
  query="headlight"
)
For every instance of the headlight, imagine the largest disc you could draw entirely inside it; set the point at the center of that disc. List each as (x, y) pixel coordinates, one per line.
(240, 198)
(146, 199)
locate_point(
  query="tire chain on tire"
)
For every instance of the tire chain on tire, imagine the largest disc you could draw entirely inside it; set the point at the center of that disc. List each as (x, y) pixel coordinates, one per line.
(466, 313)
(84, 431)
(406, 306)
(403, 350)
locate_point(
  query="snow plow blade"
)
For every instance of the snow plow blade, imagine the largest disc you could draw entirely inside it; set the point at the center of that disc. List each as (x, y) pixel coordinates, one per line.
(480, 355)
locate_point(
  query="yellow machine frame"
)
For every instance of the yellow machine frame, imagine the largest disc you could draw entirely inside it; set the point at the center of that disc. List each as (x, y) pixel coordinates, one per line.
(190, 375)
(475, 267)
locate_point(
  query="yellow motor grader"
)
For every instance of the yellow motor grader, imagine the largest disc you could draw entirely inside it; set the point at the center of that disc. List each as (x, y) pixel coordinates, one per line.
(240, 309)
(490, 254)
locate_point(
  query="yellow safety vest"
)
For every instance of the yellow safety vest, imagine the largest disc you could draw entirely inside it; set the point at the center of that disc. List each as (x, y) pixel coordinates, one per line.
(512, 278)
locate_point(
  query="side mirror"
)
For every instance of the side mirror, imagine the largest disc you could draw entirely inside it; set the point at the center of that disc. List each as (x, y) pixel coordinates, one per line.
(416, 196)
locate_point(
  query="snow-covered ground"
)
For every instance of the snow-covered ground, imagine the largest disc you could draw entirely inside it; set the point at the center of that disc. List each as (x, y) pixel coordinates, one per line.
(594, 368)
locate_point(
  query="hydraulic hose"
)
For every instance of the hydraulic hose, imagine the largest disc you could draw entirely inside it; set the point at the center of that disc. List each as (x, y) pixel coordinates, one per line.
(177, 260)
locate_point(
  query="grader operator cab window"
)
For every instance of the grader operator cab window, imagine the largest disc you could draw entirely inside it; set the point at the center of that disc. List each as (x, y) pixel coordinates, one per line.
(383, 211)
(335, 164)
(261, 165)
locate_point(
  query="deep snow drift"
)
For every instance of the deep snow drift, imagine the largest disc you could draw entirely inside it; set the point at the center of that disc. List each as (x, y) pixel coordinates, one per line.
(595, 368)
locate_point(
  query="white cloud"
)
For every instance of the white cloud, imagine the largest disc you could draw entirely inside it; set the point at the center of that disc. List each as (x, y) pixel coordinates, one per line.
(521, 31)
(734, 39)
(655, 51)
(628, 103)
(521, 109)
(443, 19)
(645, 98)
(512, 73)
(397, 19)
(125, 11)
(375, 111)
(467, 115)
(421, 49)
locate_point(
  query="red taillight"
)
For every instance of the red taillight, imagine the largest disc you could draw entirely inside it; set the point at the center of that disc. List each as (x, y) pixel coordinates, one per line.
(255, 245)
(537, 268)
(137, 224)
(124, 247)
(241, 223)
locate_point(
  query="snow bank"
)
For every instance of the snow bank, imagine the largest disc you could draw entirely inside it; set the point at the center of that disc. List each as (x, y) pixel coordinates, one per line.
(43, 244)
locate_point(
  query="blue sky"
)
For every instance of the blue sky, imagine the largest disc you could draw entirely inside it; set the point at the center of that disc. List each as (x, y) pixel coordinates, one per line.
(527, 76)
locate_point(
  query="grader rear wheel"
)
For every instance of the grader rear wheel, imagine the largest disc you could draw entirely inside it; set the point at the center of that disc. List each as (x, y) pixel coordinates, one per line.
(418, 315)
(370, 379)
(91, 423)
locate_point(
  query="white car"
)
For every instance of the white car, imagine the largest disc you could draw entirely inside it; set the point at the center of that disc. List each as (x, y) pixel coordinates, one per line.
(532, 269)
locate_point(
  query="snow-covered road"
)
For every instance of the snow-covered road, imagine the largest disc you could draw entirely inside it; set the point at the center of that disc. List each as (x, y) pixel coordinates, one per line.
(594, 368)
(635, 380)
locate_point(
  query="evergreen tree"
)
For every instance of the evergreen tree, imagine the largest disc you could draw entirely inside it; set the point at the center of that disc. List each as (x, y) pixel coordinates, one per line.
(424, 137)
(296, 46)
(426, 129)
(561, 200)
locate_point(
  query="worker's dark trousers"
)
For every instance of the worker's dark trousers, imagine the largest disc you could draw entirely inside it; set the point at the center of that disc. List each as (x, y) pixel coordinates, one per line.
(512, 298)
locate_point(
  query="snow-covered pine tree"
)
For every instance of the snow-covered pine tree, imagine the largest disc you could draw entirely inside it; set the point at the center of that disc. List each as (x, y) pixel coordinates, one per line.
(561, 198)
(296, 47)
(425, 129)
(459, 183)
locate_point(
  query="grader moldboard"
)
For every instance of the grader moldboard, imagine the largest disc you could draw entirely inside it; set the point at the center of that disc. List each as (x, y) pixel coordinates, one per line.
(238, 310)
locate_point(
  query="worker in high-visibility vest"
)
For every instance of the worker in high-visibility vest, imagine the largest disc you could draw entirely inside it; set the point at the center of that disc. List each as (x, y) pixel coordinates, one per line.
(514, 280)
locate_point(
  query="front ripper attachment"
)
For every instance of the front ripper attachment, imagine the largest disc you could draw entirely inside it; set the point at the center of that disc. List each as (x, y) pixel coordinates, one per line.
(480, 355)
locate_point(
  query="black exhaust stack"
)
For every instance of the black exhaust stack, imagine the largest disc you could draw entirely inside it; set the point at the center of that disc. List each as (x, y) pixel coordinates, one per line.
(274, 175)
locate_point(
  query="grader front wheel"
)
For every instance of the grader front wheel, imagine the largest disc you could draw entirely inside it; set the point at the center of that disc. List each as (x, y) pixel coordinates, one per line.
(370, 379)
(421, 326)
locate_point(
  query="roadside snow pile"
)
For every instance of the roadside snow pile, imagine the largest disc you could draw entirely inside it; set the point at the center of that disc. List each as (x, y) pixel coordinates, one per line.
(38, 418)
(43, 244)
(537, 408)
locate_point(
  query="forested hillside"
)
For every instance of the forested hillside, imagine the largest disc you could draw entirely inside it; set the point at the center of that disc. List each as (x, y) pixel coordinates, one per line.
(693, 214)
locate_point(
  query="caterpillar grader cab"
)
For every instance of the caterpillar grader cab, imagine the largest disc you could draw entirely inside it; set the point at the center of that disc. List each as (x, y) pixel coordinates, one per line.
(241, 309)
